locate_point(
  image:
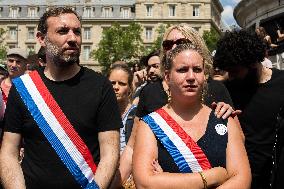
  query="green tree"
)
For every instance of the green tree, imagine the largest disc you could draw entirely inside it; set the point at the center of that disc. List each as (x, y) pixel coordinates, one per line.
(3, 51)
(211, 37)
(158, 42)
(119, 43)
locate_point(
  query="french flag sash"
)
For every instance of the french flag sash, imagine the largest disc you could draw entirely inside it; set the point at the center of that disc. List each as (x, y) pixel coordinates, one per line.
(57, 129)
(187, 155)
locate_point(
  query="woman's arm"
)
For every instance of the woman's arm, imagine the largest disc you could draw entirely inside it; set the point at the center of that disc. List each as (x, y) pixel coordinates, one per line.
(237, 163)
(145, 151)
(125, 163)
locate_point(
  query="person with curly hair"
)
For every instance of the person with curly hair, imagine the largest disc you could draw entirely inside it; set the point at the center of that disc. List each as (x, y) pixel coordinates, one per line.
(258, 92)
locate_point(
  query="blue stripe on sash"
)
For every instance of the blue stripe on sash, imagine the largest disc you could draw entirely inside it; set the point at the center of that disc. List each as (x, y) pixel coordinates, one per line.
(168, 144)
(52, 138)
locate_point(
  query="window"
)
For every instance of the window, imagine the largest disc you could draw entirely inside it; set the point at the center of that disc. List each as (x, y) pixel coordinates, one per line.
(149, 10)
(196, 28)
(87, 33)
(196, 12)
(12, 46)
(13, 33)
(172, 10)
(87, 12)
(1, 10)
(107, 12)
(31, 49)
(125, 12)
(86, 52)
(31, 33)
(149, 33)
(14, 12)
(32, 12)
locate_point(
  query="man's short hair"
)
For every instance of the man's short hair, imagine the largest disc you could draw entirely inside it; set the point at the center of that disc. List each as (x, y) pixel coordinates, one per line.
(18, 52)
(239, 48)
(145, 59)
(53, 12)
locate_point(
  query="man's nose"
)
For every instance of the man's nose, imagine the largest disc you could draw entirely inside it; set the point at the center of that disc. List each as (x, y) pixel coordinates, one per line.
(72, 36)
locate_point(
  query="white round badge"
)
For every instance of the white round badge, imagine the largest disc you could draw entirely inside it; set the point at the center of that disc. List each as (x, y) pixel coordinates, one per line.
(221, 129)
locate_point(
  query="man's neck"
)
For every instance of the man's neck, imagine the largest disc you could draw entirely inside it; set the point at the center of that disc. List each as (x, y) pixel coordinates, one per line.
(56, 73)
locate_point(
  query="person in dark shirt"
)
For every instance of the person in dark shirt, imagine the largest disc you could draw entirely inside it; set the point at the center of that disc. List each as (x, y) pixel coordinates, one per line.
(66, 114)
(258, 92)
(183, 135)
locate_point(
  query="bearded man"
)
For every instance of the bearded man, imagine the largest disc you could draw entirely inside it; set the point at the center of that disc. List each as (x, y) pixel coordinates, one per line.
(257, 91)
(66, 114)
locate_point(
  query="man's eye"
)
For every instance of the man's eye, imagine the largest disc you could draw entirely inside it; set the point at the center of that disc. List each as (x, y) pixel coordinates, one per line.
(77, 32)
(63, 31)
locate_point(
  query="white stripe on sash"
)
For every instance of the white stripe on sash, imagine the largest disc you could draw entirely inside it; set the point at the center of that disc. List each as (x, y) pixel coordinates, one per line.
(180, 145)
(57, 129)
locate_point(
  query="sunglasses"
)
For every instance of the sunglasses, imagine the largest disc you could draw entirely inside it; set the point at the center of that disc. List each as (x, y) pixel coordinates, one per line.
(168, 44)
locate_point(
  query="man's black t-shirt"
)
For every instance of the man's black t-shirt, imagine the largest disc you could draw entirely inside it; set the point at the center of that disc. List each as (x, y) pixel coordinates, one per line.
(153, 96)
(89, 103)
(260, 106)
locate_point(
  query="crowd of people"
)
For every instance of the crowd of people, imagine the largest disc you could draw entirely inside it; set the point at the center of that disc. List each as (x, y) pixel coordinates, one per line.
(180, 118)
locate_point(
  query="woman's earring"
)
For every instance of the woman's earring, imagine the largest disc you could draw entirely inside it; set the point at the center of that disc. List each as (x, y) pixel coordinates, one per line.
(169, 97)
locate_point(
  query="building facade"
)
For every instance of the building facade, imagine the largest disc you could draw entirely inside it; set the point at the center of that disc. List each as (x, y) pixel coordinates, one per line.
(254, 13)
(20, 18)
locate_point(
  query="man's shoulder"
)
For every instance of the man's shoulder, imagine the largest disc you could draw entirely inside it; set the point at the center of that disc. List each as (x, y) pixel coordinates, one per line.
(277, 75)
(92, 75)
(153, 85)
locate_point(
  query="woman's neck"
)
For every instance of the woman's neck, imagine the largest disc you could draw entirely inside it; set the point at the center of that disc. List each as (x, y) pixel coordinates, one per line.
(185, 110)
(123, 106)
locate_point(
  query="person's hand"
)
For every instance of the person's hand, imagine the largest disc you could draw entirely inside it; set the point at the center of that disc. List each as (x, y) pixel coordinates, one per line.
(139, 77)
(156, 167)
(224, 110)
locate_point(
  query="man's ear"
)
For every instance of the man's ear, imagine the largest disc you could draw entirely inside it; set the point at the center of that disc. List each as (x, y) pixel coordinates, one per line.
(40, 37)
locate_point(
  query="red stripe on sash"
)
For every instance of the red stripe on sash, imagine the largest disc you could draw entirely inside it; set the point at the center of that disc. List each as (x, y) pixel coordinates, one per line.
(63, 121)
(195, 149)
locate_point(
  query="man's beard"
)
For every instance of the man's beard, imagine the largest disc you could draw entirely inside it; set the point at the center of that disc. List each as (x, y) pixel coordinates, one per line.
(58, 57)
(242, 90)
(251, 80)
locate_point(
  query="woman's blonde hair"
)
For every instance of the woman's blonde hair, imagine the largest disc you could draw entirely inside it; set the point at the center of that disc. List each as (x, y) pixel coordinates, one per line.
(196, 40)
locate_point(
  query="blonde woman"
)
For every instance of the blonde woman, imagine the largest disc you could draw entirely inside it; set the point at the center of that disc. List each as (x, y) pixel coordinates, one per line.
(154, 94)
(184, 144)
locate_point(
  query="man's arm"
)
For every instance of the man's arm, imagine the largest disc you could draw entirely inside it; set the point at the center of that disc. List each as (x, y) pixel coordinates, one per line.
(10, 170)
(109, 156)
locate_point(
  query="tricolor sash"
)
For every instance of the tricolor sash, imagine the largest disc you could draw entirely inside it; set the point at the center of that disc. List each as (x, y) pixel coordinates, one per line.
(187, 155)
(57, 129)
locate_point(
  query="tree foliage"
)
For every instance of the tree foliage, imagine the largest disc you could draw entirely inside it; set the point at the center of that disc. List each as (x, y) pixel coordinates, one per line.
(3, 51)
(211, 37)
(119, 43)
(158, 42)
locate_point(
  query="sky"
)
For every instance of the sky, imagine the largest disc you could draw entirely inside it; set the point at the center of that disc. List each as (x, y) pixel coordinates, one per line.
(227, 14)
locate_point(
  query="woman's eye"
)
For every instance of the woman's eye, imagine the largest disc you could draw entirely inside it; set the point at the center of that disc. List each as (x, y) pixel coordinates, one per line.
(182, 70)
(197, 69)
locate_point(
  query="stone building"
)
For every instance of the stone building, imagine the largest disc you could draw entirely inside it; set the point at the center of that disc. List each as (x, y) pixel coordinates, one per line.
(20, 18)
(267, 13)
